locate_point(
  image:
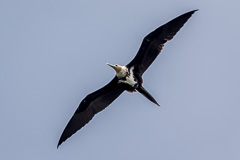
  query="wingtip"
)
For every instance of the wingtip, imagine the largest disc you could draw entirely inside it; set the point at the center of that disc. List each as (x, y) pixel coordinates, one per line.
(59, 142)
(193, 11)
(58, 145)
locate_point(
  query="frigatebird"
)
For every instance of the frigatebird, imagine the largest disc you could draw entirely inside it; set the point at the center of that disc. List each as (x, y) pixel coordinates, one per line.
(128, 77)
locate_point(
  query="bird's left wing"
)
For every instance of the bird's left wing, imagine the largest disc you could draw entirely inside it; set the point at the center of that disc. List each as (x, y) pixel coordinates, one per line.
(153, 43)
(91, 105)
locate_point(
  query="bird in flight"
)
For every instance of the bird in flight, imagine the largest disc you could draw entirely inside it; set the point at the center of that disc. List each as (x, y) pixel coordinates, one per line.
(128, 77)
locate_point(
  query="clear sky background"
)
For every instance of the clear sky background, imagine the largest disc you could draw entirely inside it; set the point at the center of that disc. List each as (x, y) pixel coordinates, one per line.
(54, 52)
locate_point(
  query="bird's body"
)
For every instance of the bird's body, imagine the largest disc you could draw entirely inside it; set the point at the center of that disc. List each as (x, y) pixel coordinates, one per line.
(128, 77)
(125, 75)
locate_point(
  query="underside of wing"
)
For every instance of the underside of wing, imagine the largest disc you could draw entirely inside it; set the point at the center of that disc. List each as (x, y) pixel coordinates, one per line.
(91, 105)
(153, 43)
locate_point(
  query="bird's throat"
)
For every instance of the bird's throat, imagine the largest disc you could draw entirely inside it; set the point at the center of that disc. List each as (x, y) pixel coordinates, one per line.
(122, 72)
(128, 77)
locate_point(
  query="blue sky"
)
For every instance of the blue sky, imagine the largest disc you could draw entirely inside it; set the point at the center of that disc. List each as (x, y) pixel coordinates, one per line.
(54, 53)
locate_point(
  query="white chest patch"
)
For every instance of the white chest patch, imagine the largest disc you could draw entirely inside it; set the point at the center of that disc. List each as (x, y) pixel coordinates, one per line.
(129, 79)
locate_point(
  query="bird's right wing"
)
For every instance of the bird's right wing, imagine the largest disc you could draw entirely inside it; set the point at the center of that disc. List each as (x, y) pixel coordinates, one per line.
(153, 43)
(91, 105)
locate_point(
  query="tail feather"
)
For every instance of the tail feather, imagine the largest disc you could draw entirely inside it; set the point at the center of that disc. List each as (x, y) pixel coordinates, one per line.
(146, 94)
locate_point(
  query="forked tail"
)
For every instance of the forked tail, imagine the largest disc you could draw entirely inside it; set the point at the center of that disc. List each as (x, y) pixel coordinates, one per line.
(144, 92)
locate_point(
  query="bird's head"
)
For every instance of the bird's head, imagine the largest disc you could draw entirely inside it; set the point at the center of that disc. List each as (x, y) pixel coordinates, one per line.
(121, 71)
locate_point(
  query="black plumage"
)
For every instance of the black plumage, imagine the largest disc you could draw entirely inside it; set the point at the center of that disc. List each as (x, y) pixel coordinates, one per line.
(128, 77)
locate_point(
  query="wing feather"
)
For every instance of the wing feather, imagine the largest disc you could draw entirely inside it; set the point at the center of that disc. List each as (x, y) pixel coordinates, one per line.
(153, 43)
(91, 105)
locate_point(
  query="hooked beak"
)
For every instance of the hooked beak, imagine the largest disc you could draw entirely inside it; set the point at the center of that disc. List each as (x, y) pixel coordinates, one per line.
(111, 65)
(116, 67)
